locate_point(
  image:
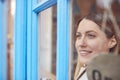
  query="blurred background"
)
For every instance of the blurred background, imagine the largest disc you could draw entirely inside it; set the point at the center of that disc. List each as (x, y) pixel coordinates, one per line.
(47, 26)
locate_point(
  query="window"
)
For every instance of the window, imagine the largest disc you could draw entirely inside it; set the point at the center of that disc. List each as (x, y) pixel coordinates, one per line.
(47, 43)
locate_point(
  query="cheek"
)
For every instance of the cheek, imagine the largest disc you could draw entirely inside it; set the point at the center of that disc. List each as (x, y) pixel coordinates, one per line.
(93, 45)
(97, 46)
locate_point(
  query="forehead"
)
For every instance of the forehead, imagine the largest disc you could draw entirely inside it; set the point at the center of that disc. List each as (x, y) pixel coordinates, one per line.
(87, 24)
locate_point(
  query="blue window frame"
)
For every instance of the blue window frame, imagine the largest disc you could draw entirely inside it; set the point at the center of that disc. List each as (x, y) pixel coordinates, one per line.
(3, 39)
(26, 38)
(62, 39)
(20, 41)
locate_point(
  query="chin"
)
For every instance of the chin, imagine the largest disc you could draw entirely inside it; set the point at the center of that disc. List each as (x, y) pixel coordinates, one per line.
(84, 61)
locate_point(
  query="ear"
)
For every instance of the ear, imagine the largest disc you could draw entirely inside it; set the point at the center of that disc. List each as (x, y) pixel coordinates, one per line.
(112, 42)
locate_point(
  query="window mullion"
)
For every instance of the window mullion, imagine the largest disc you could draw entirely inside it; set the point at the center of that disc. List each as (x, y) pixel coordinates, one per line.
(62, 39)
(20, 41)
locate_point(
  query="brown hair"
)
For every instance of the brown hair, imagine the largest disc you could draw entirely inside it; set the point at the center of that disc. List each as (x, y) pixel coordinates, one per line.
(107, 27)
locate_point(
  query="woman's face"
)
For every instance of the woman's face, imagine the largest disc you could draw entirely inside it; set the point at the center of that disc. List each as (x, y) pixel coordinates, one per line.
(90, 40)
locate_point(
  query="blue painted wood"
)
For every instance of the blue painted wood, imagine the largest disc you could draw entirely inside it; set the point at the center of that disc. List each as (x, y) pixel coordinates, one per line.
(1, 52)
(29, 39)
(3, 40)
(32, 42)
(34, 48)
(20, 41)
(44, 5)
(63, 10)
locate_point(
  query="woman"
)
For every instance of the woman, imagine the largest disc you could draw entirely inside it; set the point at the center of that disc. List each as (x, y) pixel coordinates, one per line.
(94, 36)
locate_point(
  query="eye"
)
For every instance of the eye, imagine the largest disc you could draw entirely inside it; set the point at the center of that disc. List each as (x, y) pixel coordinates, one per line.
(78, 36)
(91, 36)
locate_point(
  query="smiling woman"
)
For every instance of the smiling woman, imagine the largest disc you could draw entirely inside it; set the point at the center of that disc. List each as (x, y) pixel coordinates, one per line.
(93, 37)
(91, 40)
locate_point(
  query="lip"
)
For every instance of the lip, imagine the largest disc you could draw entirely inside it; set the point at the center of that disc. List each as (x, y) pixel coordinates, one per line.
(84, 52)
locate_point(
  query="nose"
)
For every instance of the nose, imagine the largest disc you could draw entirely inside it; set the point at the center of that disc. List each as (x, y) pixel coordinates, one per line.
(82, 42)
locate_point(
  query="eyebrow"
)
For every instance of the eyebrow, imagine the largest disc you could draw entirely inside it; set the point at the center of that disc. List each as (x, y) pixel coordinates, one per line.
(87, 32)
(91, 31)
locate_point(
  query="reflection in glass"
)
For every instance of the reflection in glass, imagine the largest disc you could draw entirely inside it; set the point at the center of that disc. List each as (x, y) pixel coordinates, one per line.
(105, 8)
(40, 0)
(47, 44)
(11, 15)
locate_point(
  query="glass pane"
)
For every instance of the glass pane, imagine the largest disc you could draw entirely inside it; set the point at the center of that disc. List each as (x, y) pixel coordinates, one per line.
(47, 44)
(106, 14)
(10, 37)
(40, 0)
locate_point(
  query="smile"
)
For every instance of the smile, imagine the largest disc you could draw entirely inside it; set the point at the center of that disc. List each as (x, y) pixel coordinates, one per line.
(84, 52)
